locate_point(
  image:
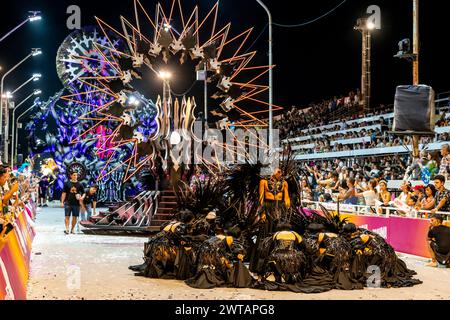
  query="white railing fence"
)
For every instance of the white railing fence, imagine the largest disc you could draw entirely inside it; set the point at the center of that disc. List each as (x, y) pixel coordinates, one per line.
(370, 210)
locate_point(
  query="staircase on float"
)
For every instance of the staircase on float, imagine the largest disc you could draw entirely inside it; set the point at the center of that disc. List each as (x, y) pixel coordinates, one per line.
(165, 211)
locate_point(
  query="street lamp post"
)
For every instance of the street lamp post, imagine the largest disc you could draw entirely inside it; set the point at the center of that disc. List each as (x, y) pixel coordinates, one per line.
(270, 74)
(17, 121)
(13, 133)
(34, 52)
(34, 16)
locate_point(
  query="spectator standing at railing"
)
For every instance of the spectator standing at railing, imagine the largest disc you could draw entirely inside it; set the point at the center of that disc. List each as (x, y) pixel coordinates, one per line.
(442, 195)
(6, 191)
(370, 196)
(306, 190)
(384, 196)
(439, 242)
(445, 162)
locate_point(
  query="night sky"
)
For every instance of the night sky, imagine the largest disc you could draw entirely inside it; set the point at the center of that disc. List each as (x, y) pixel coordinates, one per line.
(316, 61)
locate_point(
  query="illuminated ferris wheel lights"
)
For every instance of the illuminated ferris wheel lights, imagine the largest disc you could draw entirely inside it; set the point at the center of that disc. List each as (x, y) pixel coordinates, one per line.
(167, 27)
(132, 101)
(165, 75)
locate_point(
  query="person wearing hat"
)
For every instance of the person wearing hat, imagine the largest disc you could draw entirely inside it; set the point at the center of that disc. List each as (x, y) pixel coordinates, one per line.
(439, 242)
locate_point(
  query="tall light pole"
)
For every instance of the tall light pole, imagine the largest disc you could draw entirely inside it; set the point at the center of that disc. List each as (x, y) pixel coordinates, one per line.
(270, 74)
(13, 133)
(34, 52)
(365, 27)
(416, 44)
(34, 16)
(20, 116)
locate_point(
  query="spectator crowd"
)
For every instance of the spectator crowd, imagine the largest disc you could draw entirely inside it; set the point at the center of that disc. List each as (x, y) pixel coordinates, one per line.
(365, 182)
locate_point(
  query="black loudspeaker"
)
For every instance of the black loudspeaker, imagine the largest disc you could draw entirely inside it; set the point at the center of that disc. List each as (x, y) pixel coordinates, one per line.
(414, 109)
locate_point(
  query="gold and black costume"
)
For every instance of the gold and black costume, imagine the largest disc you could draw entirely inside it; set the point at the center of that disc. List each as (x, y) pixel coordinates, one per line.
(286, 259)
(370, 249)
(333, 253)
(220, 263)
(168, 254)
(274, 203)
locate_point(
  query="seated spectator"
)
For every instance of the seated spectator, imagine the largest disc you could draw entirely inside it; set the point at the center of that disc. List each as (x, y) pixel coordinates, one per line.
(349, 196)
(413, 202)
(429, 202)
(406, 190)
(439, 242)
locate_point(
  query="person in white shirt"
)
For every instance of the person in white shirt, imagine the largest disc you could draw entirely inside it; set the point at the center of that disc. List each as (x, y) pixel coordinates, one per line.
(370, 196)
(406, 190)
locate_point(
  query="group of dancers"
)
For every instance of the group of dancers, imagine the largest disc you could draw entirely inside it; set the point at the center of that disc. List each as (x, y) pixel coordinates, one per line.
(242, 230)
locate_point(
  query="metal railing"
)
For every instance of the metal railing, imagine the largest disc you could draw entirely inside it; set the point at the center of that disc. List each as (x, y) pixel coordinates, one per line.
(365, 210)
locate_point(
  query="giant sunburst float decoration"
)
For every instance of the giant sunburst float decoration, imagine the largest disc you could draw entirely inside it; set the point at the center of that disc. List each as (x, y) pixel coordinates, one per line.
(151, 43)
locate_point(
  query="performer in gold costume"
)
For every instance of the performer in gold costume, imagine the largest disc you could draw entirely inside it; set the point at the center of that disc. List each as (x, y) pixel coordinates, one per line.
(275, 202)
(274, 199)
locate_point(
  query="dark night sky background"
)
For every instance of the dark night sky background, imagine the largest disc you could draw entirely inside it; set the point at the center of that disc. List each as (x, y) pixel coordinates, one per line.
(313, 62)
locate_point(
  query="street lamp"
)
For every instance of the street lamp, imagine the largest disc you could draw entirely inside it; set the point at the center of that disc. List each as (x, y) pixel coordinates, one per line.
(8, 95)
(34, 16)
(34, 52)
(36, 103)
(35, 77)
(270, 74)
(13, 133)
(370, 25)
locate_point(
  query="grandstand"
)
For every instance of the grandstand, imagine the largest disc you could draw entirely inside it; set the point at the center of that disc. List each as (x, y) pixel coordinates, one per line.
(363, 137)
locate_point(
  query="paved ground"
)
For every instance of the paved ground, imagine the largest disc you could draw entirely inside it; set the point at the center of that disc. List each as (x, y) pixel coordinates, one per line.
(96, 267)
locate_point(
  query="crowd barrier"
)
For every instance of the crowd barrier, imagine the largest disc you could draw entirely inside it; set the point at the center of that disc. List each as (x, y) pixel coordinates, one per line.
(15, 253)
(404, 234)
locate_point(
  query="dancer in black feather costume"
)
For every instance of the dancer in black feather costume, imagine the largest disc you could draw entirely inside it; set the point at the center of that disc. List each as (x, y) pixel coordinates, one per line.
(370, 249)
(220, 263)
(169, 254)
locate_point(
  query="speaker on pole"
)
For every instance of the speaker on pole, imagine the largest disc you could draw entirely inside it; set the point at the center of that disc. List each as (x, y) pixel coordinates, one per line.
(414, 110)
